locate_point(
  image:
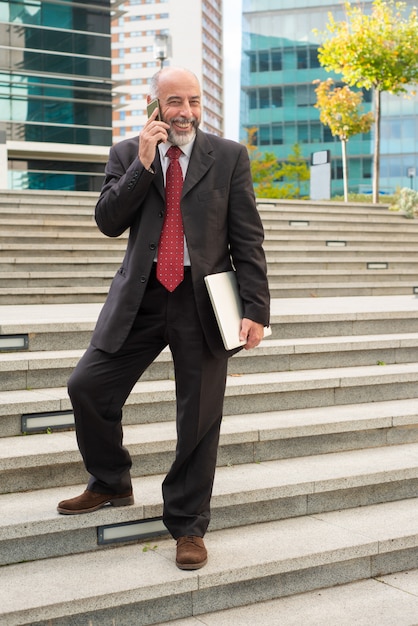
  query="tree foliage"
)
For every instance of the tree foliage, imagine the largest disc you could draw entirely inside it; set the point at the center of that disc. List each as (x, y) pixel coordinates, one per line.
(377, 51)
(294, 171)
(267, 171)
(341, 110)
(264, 166)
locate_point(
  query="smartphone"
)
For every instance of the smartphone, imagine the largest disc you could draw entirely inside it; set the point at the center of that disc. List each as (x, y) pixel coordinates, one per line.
(154, 104)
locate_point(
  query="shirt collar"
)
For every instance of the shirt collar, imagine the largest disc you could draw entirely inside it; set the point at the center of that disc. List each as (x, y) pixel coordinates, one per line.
(186, 149)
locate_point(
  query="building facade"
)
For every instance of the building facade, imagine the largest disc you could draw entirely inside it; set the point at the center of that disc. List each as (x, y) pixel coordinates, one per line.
(55, 93)
(279, 65)
(190, 35)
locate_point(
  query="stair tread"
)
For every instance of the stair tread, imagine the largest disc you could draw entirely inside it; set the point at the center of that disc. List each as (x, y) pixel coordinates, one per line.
(31, 513)
(384, 600)
(163, 390)
(80, 583)
(62, 358)
(18, 452)
(26, 317)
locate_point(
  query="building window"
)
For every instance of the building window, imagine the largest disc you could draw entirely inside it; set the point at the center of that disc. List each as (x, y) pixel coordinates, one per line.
(305, 95)
(302, 58)
(264, 136)
(276, 60)
(276, 97)
(265, 60)
(264, 98)
(277, 135)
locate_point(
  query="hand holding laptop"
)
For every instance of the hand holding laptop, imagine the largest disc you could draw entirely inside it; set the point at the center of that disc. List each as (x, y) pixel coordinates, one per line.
(227, 306)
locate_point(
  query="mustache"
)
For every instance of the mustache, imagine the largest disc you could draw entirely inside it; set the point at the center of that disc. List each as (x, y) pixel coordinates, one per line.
(184, 120)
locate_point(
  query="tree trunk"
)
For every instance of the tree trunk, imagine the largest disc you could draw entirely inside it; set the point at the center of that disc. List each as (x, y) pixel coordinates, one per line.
(345, 169)
(376, 158)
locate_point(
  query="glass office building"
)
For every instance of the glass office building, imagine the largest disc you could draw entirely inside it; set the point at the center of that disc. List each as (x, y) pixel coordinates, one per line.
(190, 35)
(279, 65)
(55, 92)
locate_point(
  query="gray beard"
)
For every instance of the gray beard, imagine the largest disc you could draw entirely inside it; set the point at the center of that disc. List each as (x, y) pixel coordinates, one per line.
(181, 139)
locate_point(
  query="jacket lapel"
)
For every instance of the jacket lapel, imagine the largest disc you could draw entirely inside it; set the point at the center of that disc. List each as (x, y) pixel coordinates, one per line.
(159, 179)
(201, 160)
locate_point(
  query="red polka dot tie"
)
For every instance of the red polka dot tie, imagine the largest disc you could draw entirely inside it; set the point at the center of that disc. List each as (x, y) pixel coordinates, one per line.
(170, 262)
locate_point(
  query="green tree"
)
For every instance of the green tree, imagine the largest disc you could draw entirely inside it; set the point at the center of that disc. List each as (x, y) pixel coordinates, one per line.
(265, 168)
(377, 51)
(340, 110)
(295, 170)
(267, 171)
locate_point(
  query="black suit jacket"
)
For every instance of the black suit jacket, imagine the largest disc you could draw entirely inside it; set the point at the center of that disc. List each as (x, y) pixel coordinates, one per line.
(221, 222)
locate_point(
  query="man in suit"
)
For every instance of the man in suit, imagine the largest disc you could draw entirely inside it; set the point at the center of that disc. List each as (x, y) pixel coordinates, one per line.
(141, 315)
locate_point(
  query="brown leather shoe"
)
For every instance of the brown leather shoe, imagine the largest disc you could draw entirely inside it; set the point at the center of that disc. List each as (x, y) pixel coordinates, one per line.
(191, 553)
(90, 501)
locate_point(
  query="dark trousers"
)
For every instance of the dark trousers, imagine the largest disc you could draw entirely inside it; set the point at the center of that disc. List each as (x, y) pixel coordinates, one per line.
(101, 383)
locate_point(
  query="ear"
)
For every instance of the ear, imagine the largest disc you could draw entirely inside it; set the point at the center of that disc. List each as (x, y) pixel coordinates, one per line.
(149, 99)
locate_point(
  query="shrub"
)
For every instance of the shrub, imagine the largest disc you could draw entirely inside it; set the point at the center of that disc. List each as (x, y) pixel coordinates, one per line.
(406, 200)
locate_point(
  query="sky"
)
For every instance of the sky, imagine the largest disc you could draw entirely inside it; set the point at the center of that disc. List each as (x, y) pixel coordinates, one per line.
(232, 13)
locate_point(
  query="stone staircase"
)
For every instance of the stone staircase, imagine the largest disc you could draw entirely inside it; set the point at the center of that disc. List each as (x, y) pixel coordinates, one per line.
(317, 473)
(52, 252)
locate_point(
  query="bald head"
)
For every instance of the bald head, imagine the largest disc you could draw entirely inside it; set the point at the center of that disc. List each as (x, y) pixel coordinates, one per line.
(175, 75)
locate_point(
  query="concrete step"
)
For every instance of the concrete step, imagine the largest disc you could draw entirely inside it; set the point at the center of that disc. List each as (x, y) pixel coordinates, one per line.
(21, 212)
(336, 251)
(31, 529)
(273, 207)
(340, 224)
(33, 279)
(37, 370)
(385, 600)
(63, 264)
(47, 460)
(342, 289)
(104, 247)
(257, 563)
(360, 276)
(44, 237)
(47, 225)
(288, 258)
(38, 288)
(154, 400)
(307, 237)
(53, 295)
(46, 221)
(351, 233)
(96, 293)
(340, 262)
(69, 326)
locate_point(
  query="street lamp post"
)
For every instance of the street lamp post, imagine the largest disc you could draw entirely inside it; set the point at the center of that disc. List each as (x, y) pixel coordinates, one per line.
(411, 175)
(161, 48)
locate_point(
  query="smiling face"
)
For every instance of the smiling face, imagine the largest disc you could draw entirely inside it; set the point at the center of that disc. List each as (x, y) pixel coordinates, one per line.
(180, 104)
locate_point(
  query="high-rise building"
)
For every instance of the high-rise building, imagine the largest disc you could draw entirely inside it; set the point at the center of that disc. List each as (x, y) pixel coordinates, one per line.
(55, 93)
(279, 65)
(170, 32)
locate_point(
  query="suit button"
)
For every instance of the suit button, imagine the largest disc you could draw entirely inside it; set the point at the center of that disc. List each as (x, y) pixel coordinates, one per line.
(143, 279)
(152, 246)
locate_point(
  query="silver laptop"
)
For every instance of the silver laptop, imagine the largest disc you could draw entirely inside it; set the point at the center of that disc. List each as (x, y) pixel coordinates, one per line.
(227, 306)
